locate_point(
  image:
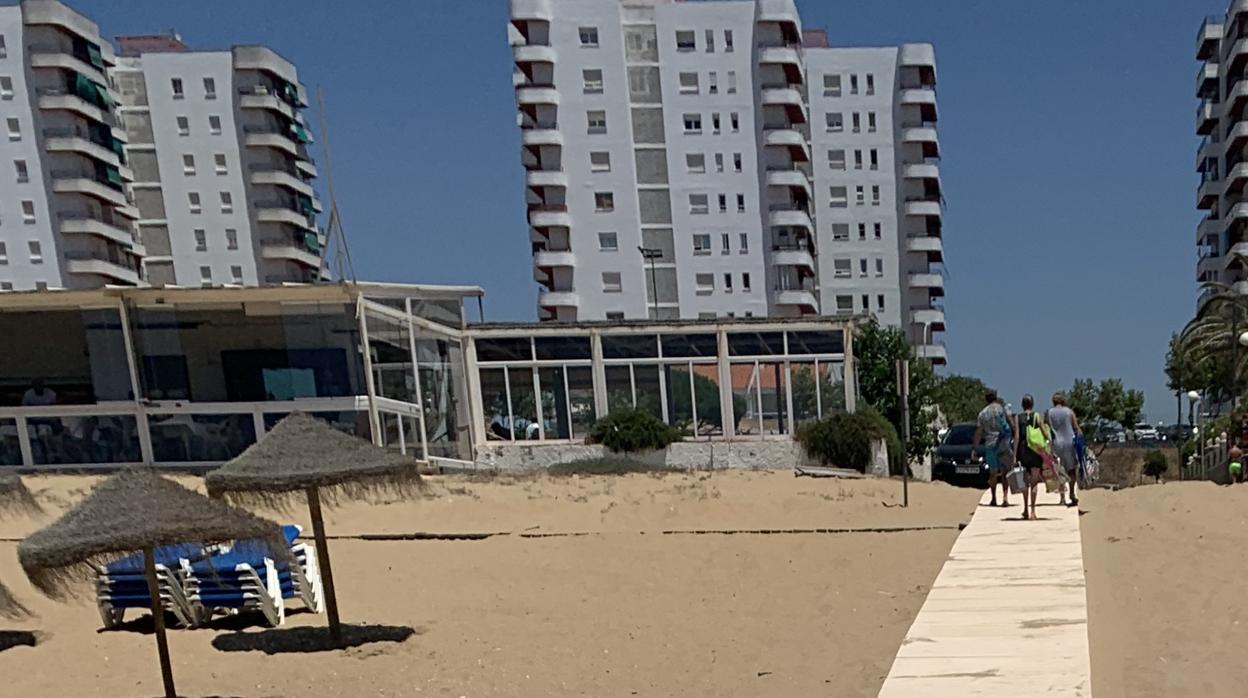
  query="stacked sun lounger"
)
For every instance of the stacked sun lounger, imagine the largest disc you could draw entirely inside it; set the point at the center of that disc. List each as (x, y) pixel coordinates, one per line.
(122, 585)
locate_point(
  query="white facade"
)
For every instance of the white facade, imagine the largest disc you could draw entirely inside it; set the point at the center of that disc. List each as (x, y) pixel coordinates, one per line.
(65, 217)
(223, 178)
(698, 131)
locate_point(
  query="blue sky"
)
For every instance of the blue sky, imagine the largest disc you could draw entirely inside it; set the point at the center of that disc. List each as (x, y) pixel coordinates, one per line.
(1066, 130)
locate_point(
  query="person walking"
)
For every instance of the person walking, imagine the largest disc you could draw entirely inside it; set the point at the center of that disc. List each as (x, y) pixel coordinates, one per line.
(1033, 444)
(995, 429)
(1064, 424)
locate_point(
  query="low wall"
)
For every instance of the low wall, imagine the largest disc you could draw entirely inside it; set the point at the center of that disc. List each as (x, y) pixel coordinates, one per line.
(779, 454)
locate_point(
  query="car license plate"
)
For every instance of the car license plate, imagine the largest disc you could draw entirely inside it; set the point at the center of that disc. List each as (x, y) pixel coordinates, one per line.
(968, 469)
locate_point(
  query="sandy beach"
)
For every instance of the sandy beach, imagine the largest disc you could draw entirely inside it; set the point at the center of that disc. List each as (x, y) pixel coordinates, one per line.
(638, 590)
(1165, 571)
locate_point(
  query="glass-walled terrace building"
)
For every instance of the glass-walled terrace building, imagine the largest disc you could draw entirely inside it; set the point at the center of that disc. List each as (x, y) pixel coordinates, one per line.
(191, 377)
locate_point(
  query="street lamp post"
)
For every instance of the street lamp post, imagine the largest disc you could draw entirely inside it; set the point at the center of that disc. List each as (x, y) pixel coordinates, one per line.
(1193, 420)
(651, 254)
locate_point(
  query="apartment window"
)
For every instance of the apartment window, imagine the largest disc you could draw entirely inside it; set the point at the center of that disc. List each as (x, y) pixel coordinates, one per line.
(193, 199)
(695, 163)
(611, 282)
(589, 36)
(835, 122)
(840, 232)
(870, 122)
(831, 85)
(236, 274)
(727, 282)
(841, 268)
(214, 124)
(744, 243)
(227, 202)
(875, 195)
(608, 242)
(719, 162)
(870, 84)
(188, 164)
(23, 173)
(231, 239)
(857, 159)
(7, 285)
(844, 305)
(866, 303)
(6, 87)
(715, 123)
(723, 203)
(4, 50)
(862, 267)
(727, 41)
(879, 267)
(860, 195)
(205, 276)
(836, 159)
(853, 84)
(596, 121)
(615, 315)
(592, 80)
(710, 41)
(879, 231)
(862, 231)
(184, 126)
(732, 82)
(41, 285)
(15, 128)
(741, 203)
(689, 83)
(698, 204)
(875, 159)
(857, 122)
(736, 162)
(201, 240)
(693, 123)
(176, 83)
(745, 284)
(705, 284)
(218, 163)
(36, 251)
(702, 243)
(210, 88)
(712, 82)
(725, 244)
(4, 253)
(735, 121)
(838, 197)
(28, 211)
(604, 201)
(685, 41)
(600, 161)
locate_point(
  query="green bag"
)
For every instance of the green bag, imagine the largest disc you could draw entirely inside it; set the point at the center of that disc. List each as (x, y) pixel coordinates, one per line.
(1036, 439)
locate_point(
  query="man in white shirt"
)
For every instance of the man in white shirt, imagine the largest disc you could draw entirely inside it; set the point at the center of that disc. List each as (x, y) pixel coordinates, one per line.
(38, 395)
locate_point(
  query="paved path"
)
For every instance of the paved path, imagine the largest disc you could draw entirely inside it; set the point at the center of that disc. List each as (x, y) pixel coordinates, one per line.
(1007, 616)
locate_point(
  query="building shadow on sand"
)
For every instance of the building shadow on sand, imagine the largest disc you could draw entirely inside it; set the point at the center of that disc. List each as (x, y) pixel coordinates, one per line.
(311, 639)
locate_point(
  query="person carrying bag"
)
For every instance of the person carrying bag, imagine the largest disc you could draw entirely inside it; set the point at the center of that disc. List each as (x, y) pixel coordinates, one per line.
(1034, 454)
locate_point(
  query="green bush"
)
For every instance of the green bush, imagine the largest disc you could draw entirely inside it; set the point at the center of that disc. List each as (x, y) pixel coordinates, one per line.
(630, 430)
(1155, 464)
(844, 440)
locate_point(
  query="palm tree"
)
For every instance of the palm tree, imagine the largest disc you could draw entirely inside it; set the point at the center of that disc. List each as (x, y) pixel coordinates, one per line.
(1208, 348)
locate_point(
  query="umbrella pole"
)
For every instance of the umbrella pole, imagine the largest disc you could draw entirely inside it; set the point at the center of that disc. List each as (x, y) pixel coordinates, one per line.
(158, 620)
(322, 555)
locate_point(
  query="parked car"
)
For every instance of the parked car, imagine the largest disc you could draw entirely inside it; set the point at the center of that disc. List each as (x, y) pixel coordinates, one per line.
(1146, 432)
(955, 463)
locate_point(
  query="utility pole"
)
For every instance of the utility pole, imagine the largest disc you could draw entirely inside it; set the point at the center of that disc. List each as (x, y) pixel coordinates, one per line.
(903, 395)
(651, 254)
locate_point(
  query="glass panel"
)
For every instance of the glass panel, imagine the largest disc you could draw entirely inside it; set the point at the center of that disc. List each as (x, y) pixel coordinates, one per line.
(706, 387)
(567, 348)
(10, 448)
(619, 387)
(389, 430)
(745, 405)
(555, 419)
(494, 398)
(248, 352)
(391, 354)
(70, 440)
(775, 408)
(444, 312)
(441, 365)
(523, 404)
(189, 438)
(689, 345)
(755, 343)
(649, 397)
(348, 421)
(581, 400)
(411, 435)
(629, 347)
(830, 342)
(79, 358)
(678, 381)
(504, 349)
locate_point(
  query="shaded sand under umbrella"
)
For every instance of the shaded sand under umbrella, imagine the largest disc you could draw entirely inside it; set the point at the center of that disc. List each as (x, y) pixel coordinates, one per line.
(136, 511)
(15, 498)
(305, 456)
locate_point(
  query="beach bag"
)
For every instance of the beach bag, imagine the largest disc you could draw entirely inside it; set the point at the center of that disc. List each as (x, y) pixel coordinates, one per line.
(1036, 440)
(1017, 479)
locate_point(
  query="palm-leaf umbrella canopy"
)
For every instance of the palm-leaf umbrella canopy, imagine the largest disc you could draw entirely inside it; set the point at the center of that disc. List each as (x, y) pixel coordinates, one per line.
(15, 498)
(136, 511)
(304, 455)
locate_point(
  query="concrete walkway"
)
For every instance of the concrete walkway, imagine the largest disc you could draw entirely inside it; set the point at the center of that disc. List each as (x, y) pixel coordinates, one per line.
(1008, 614)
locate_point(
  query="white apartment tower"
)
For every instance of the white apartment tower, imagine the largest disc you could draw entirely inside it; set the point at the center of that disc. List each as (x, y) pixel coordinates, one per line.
(709, 159)
(223, 180)
(65, 219)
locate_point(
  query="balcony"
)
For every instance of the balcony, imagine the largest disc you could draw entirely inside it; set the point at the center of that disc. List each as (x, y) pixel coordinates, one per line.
(933, 247)
(783, 12)
(924, 135)
(541, 135)
(537, 96)
(1234, 256)
(546, 178)
(1206, 79)
(791, 178)
(1208, 192)
(935, 352)
(563, 298)
(917, 56)
(794, 256)
(293, 251)
(531, 10)
(546, 259)
(269, 137)
(1210, 147)
(1208, 38)
(100, 225)
(922, 171)
(923, 207)
(790, 217)
(789, 58)
(266, 60)
(928, 316)
(788, 97)
(262, 97)
(1206, 118)
(88, 183)
(62, 56)
(115, 269)
(1209, 227)
(932, 282)
(281, 212)
(550, 217)
(55, 98)
(71, 139)
(787, 137)
(803, 299)
(1209, 267)
(525, 54)
(281, 177)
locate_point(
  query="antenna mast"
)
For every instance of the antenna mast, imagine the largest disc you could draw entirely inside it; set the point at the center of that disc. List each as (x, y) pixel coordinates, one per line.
(344, 269)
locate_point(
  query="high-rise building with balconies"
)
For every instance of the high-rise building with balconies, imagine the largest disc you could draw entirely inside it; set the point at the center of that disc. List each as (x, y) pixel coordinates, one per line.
(711, 159)
(65, 217)
(219, 149)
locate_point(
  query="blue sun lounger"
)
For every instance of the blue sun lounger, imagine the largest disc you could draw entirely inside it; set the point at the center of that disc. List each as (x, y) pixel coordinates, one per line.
(122, 585)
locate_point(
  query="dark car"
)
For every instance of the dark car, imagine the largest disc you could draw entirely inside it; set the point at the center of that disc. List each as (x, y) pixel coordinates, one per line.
(953, 461)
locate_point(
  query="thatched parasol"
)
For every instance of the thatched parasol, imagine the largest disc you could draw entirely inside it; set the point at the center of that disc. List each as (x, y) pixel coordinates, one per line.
(10, 607)
(15, 498)
(304, 455)
(135, 511)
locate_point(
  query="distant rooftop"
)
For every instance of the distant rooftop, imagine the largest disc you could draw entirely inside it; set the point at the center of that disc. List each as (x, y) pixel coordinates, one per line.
(150, 43)
(815, 38)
